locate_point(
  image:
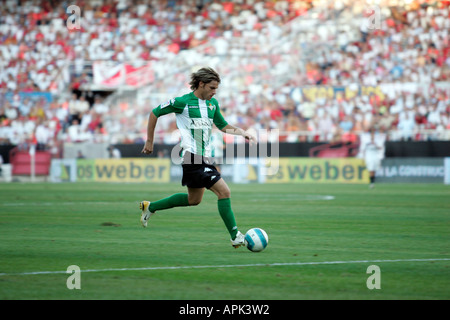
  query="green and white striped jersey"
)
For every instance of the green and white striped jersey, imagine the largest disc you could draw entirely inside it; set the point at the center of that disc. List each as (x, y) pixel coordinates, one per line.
(195, 119)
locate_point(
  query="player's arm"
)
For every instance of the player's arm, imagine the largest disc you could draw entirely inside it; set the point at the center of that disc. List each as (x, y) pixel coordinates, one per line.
(168, 107)
(364, 150)
(238, 132)
(152, 120)
(223, 126)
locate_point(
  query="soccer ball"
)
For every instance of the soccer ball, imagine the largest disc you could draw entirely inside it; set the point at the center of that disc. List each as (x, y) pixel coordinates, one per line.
(256, 239)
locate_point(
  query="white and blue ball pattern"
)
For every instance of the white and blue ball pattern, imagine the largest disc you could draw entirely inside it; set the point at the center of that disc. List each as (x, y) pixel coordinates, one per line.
(256, 239)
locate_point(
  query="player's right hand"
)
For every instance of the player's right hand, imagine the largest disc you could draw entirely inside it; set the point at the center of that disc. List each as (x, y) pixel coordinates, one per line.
(148, 148)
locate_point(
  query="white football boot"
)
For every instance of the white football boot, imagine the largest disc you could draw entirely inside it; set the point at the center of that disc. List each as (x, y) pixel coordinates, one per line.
(146, 214)
(238, 241)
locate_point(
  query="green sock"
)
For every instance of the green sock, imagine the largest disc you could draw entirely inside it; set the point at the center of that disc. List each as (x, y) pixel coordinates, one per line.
(175, 200)
(227, 216)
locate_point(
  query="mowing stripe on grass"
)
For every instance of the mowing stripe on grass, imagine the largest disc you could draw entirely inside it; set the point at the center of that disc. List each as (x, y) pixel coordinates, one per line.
(297, 197)
(229, 266)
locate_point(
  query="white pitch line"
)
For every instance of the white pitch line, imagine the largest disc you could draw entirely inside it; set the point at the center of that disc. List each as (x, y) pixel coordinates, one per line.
(230, 266)
(297, 197)
(19, 204)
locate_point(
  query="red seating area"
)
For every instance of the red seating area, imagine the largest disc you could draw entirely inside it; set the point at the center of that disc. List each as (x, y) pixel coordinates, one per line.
(22, 162)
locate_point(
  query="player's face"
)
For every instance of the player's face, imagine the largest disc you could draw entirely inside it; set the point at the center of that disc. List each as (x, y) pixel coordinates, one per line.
(208, 89)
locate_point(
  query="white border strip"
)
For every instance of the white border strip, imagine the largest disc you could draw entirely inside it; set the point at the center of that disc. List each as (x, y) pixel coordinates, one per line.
(230, 266)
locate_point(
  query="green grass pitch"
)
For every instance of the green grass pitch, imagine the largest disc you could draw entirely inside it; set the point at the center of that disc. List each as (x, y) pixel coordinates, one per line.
(322, 239)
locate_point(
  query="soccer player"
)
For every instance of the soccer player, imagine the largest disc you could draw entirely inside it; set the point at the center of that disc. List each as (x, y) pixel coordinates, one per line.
(196, 112)
(372, 157)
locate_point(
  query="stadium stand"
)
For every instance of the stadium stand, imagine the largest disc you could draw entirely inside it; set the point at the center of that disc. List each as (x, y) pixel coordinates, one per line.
(316, 70)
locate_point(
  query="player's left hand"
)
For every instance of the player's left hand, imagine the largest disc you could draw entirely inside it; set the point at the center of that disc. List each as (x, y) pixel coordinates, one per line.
(251, 138)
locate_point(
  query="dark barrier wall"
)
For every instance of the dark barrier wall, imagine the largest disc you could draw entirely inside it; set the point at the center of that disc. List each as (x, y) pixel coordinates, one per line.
(4, 152)
(420, 149)
(285, 150)
(397, 149)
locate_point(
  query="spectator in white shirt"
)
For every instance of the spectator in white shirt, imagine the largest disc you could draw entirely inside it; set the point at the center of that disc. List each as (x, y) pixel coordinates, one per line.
(406, 125)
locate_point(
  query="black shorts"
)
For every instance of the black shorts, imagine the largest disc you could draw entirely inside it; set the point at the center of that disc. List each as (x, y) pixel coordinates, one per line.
(199, 175)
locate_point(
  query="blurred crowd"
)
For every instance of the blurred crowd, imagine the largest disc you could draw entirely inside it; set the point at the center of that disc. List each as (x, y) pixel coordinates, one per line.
(411, 45)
